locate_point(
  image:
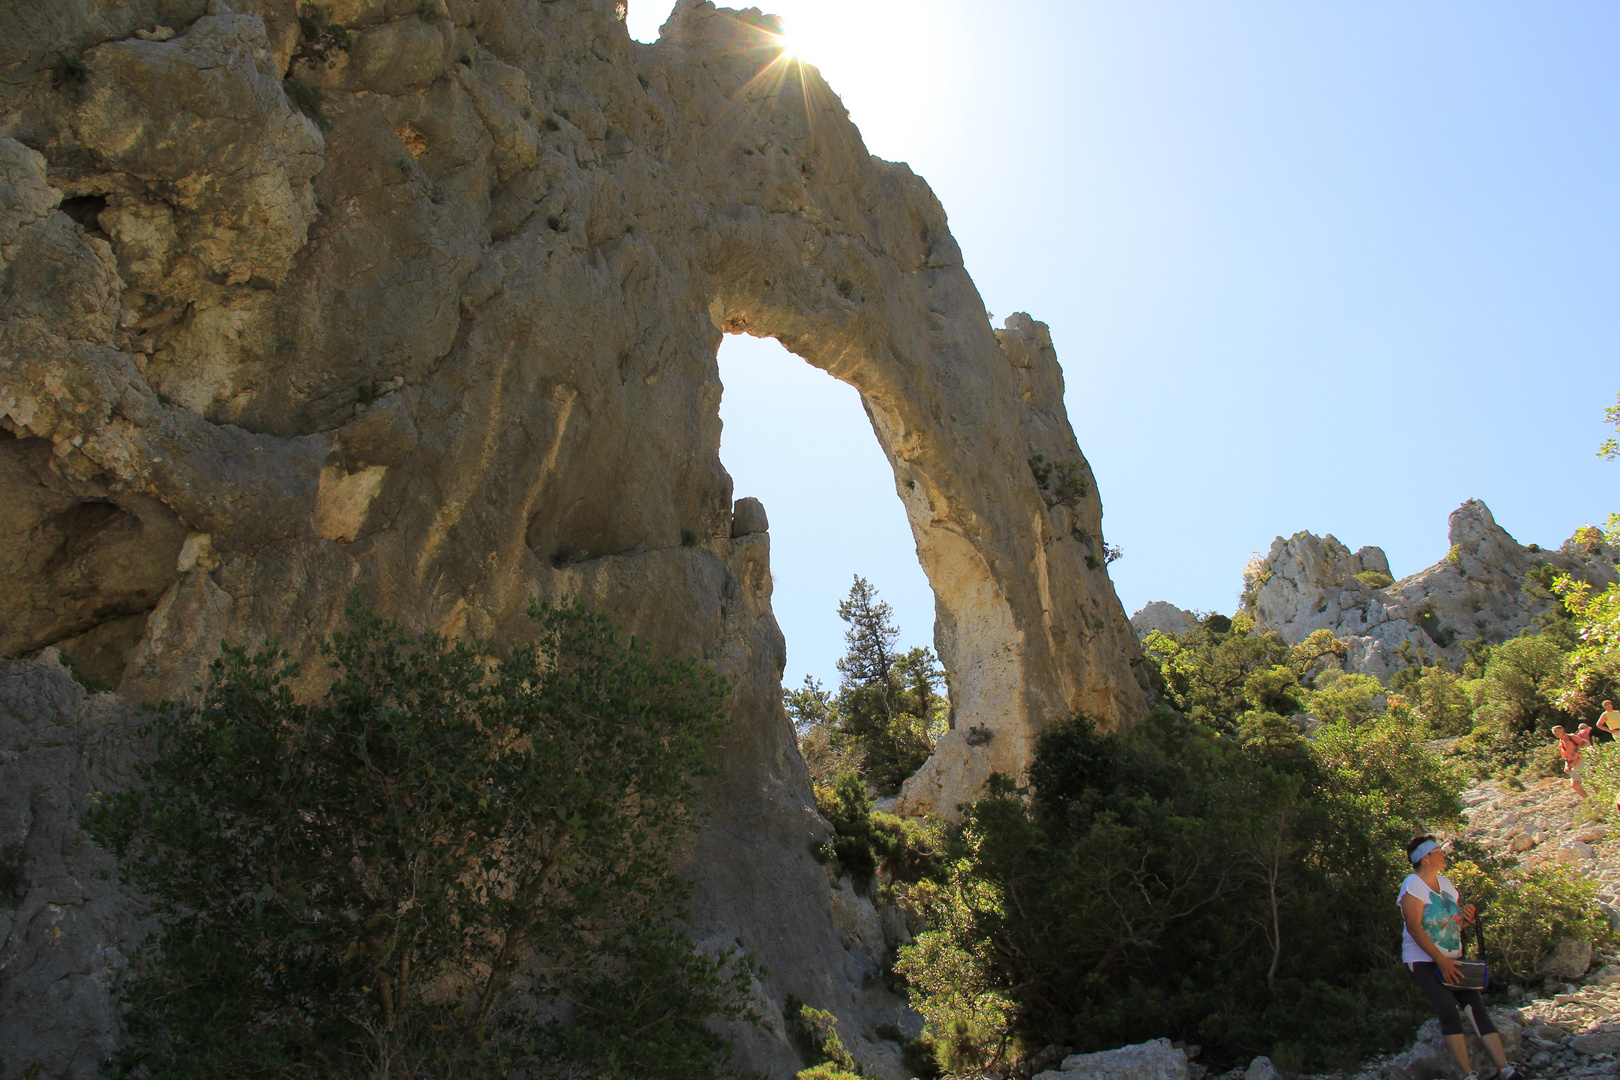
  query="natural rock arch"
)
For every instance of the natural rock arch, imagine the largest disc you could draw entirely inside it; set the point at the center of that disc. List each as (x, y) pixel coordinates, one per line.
(848, 261)
(454, 346)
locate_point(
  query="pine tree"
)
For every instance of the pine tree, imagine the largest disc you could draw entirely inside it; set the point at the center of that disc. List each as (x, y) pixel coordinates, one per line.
(888, 703)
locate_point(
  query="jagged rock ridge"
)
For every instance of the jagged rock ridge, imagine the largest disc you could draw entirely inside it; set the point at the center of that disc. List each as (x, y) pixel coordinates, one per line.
(1477, 591)
(444, 331)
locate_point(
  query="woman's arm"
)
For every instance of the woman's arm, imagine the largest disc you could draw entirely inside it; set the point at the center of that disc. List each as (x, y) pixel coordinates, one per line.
(1412, 911)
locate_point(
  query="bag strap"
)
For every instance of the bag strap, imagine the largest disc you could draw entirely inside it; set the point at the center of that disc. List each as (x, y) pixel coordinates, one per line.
(1479, 936)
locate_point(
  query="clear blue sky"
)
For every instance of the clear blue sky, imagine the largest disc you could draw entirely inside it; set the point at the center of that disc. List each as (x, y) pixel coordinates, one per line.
(1308, 265)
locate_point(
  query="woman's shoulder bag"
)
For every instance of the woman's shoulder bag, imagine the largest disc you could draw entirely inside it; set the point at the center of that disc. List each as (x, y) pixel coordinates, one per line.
(1475, 974)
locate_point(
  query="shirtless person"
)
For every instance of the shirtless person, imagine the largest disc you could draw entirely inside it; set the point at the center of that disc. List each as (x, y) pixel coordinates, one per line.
(1569, 748)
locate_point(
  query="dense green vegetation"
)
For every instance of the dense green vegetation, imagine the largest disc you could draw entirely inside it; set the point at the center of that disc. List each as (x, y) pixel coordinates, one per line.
(1213, 875)
(450, 865)
(1223, 873)
(889, 707)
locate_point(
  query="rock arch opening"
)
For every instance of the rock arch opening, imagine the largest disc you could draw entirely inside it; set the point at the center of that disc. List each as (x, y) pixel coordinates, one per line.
(798, 440)
(999, 551)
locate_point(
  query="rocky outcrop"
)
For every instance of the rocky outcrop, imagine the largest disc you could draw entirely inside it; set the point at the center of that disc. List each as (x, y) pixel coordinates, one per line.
(1153, 1060)
(424, 301)
(1163, 618)
(67, 930)
(1477, 591)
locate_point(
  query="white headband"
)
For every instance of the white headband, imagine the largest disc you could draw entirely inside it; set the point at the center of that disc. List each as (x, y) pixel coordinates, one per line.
(1423, 849)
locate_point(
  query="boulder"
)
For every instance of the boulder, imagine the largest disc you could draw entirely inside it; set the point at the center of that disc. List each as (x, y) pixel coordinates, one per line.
(1605, 975)
(1573, 852)
(1597, 1042)
(1261, 1068)
(1429, 1058)
(1568, 959)
(748, 518)
(1155, 1060)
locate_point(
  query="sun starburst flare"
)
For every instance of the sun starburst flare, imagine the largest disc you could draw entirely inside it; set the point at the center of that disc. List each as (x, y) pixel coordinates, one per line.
(783, 64)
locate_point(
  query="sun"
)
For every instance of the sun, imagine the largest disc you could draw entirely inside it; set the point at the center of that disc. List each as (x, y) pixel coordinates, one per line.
(789, 46)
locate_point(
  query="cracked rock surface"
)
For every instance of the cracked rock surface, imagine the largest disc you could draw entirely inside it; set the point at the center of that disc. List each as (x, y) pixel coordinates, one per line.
(67, 930)
(429, 308)
(1476, 591)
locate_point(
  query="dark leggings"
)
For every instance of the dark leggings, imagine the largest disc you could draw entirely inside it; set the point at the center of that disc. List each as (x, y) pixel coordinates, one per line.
(1446, 1001)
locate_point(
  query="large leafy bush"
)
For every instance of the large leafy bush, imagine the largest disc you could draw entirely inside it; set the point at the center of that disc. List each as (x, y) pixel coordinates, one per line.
(449, 865)
(1234, 889)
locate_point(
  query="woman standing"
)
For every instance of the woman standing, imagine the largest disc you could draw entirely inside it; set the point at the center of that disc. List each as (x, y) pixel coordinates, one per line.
(1430, 945)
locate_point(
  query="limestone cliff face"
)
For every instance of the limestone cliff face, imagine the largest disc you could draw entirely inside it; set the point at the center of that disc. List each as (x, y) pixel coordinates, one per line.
(445, 330)
(1476, 591)
(67, 931)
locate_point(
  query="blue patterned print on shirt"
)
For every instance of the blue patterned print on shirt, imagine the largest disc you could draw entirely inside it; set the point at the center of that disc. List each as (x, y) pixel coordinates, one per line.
(1442, 921)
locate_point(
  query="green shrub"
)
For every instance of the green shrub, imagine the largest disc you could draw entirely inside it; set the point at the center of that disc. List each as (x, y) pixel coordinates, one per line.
(1526, 911)
(847, 807)
(909, 850)
(319, 38)
(69, 70)
(1517, 692)
(1592, 670)
(1256, 572)
(954, 981)
(307, 99)
(390, 879)
(1436, 699)
(1374, 580)
(1429, 623)
(864, 841)
(1061, 483)
(1222, 670)
(921, 1058)
(1344, 698)
(815, 1033)
(1602, 775)
(888, 711)
(90, 683)
(825, 1072)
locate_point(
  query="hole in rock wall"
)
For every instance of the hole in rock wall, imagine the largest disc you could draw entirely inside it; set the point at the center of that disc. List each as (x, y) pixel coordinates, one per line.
(798, 440)
(80, 568)
(86, 210)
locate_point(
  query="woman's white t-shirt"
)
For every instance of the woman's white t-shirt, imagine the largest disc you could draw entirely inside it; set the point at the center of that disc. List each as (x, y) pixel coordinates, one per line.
(1442, 919)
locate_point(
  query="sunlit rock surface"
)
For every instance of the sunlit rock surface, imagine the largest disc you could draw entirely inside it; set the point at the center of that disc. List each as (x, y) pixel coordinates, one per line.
(445, 333)
(1478, 591)
(1163, 617)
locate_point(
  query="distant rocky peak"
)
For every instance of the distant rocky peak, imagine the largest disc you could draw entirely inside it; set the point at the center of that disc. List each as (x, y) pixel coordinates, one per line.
(1475, 591)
